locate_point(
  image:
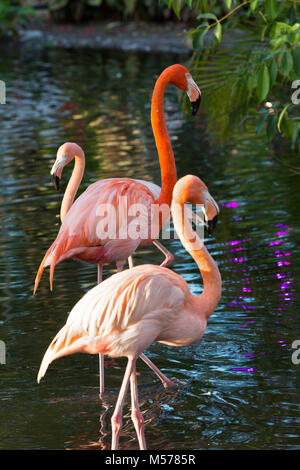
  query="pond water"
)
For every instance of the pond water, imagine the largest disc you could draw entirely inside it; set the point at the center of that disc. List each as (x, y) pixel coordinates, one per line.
(242, 387)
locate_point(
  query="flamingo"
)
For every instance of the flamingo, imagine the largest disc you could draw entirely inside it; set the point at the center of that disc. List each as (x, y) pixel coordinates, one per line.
(81, 237)
(129, 311)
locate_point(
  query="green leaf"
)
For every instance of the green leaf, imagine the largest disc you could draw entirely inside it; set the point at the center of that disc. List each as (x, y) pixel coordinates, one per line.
(198, 39)
(204, 24)
(228, 3)
(271, 9)
(296, 57)
(277, 42)
(271, 126)
(251, 81)
(253, 5)
(281, 115)
(209, 16)
(295, 27)
(263, 83)
(273, 72)
(263, 32)
(287, 127)
(286, 63)
(189, 3)
(218, 32)
(176, 5)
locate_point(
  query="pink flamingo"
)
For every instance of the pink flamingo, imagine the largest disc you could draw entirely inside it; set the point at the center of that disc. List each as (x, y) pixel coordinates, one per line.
(130, 310)
(79, 237)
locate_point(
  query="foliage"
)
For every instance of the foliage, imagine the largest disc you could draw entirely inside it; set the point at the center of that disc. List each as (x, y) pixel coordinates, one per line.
(75, 9)
(13, 14)
(56, 4)
(250, 54)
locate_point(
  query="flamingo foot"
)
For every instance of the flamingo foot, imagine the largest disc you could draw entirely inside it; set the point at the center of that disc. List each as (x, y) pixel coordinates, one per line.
(165, 381)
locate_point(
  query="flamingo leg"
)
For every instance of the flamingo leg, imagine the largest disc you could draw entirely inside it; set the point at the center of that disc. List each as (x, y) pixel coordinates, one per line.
(169, 256)
(99, 273)
(166, 382)
(136, 415)
(120, 265)
(101, 356)
(116, 419)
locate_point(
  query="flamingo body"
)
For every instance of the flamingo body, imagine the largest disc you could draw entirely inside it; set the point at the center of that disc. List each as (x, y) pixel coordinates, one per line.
(126, 313)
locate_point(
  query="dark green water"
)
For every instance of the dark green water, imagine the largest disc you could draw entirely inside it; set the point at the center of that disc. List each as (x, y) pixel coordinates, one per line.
(242, 387)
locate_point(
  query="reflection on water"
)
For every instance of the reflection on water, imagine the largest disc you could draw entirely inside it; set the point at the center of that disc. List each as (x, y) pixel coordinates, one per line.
(242, 390)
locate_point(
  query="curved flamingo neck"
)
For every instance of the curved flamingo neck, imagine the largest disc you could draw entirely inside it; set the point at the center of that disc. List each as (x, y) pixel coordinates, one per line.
(212, 283)
(73, 184)
(162, 139)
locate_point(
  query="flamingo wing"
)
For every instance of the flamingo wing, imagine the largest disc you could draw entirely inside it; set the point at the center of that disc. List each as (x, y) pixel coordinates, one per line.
(123, 315)
(98, 226)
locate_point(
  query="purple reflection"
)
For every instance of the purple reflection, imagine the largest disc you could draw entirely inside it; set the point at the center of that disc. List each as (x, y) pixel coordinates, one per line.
(232, 204)
(235, 242)
(236, 249)
(285, 285)
(281, 276)
(277, 242)
(244, 369)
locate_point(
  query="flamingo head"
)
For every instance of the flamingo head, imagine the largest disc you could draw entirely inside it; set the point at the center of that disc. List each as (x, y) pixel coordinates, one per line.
(65, 154)
(183, 79)
(192, 189)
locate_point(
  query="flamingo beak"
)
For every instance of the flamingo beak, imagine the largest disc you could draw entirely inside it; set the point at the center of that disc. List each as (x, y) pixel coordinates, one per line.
(194, 94)
(57, 169)
(56, 181)
(211, 213)
(211, 224)
(195, 105)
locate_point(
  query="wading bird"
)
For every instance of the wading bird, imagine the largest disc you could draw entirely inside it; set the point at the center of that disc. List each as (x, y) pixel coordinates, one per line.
(82, 235)
(127, 312)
